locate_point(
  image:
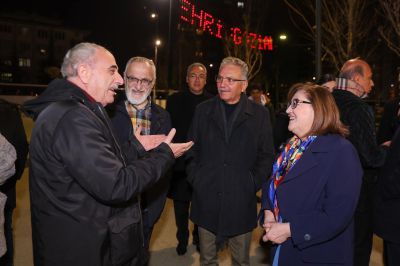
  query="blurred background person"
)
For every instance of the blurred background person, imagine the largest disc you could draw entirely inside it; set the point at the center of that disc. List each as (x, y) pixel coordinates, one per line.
(309, 202)
(328, 81)
(8, 156)
(12, 128)
(181, 106)
(387, 204)
(257, 94)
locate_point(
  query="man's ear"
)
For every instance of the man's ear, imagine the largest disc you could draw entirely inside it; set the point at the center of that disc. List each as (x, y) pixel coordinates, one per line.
(357, 78)
(245, 84)
(84, 73)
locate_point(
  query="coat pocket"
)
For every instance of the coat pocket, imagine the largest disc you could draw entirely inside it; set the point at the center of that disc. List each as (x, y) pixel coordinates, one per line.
(126, 237)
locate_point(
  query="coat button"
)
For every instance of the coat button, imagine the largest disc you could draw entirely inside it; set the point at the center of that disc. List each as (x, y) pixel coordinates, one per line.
(307, 237)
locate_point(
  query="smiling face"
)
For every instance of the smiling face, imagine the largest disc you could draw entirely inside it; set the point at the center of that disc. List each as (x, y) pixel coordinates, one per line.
(103, 77)
(230, 92)
(301, 118)
(139, 80)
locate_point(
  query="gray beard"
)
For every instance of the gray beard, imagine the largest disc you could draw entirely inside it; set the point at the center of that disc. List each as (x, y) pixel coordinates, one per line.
(139, 101)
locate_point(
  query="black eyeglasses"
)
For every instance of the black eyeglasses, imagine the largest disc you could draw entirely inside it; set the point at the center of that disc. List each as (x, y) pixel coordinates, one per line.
(293, 104)
(220, 79)
(136, 81)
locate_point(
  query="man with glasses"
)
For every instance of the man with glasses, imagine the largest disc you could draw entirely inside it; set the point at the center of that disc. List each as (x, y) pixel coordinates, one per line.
(231, 158)
(137, 114)
(181, 106)
(354, 83)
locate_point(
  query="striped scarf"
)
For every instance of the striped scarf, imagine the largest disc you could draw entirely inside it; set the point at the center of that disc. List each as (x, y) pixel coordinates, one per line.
(140, 117)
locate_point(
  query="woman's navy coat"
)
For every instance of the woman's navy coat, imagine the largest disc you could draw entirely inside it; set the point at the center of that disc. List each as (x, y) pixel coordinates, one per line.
(318, 197)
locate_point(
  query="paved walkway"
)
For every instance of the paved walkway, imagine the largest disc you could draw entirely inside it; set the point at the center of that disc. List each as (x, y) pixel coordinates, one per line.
(163, 241)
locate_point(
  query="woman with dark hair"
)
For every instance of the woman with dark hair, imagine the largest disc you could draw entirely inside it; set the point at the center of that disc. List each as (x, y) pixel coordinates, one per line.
(308, 203)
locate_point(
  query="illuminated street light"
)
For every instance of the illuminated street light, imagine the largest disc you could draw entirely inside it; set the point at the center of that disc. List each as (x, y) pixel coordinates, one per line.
(156, 44)
(282, 37)
(153, 15)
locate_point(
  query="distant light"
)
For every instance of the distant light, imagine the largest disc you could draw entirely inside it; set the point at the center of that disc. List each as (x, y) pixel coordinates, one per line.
(283, 37)
(392, 85)
(158, 42)
(43, 51)
(314, 78)
(240, 4)
(211, 65)
(153, 15)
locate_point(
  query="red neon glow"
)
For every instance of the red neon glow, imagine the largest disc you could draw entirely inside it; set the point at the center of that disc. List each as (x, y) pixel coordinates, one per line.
(214, 26)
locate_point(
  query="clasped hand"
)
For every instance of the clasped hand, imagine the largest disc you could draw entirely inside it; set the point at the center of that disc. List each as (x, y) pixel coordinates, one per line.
(149, 142)
(275, 232)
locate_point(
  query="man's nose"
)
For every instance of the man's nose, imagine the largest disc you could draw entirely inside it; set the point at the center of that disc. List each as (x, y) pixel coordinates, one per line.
(119, 80)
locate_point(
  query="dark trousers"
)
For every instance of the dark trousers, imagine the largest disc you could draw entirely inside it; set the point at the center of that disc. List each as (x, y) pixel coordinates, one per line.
(7, 259)
(181, 209)
(363, 224)
(391, 253)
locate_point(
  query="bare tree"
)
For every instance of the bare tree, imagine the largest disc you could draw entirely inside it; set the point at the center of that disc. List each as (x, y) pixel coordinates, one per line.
(391, 34)
(346, 26)
(248, 49)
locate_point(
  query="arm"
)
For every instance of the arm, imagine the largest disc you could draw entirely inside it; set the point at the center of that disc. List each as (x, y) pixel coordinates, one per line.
(7, 159)
(90, 158)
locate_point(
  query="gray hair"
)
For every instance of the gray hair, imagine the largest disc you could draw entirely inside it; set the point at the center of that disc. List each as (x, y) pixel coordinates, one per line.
(196, 64)
(237, 62)
(141, 59)
(80, 53)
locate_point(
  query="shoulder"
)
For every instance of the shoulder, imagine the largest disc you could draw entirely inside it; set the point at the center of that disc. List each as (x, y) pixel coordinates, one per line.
(332, 142)
(159, 110)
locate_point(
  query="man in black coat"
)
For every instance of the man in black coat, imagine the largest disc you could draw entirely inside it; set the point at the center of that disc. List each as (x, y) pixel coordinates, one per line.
(181, 107)
(136, 110)
(390, 121)
(231, 158)
(85, 193)
(12, 128)
(353, 84)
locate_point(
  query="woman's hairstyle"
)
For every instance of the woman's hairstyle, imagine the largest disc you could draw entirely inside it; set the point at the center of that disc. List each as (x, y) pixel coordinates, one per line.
(81, 53)
(326, 113)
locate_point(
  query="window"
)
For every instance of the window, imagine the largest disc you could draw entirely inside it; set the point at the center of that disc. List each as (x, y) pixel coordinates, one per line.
(59, 35)
(24, 62)
(5, 28)
(42, 34)
(5, 76)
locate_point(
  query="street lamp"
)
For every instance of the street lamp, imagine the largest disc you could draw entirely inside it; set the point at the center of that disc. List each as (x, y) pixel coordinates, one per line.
(156, 44)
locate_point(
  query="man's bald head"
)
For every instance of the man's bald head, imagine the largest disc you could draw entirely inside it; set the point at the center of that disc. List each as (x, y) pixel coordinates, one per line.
(359, 71)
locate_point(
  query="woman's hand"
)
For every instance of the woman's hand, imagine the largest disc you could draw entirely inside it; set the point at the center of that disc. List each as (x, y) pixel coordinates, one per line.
(269, 219)
(278, 232)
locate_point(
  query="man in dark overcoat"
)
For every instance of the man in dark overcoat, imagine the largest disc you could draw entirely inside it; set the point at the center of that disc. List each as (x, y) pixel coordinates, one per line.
(231, 158)
(181, 106)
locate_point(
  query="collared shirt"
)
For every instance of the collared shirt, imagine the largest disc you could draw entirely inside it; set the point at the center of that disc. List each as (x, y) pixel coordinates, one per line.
(140, 117)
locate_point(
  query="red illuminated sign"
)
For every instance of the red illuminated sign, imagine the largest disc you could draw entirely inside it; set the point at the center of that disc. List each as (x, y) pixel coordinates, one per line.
(208, 23)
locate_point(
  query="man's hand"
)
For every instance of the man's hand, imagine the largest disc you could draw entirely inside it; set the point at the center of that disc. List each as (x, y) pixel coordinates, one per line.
(269, 219)
(177, 148)
(149, 142)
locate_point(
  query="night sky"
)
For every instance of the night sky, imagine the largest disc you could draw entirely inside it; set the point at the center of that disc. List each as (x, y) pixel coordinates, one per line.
(124, 26)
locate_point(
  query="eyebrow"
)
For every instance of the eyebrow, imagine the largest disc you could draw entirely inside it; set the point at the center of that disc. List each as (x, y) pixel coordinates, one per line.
(113, 67)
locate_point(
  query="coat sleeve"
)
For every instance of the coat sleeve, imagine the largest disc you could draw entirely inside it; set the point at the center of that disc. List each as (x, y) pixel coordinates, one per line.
(340, 200)
(265, 152)
(363, 137)
(7, 159)
(90, 158)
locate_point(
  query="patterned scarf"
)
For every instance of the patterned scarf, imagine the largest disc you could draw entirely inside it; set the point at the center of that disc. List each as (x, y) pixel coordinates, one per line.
(289, 156)
(140, 117)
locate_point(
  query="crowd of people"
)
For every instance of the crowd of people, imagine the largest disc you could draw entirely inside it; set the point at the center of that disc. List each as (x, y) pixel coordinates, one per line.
(102, 165)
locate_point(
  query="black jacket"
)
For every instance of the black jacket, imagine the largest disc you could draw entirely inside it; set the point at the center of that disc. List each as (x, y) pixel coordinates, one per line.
(181, 107)
(153, 199)
(231, 161)
(358, 115)
(387, 203)
(389, 122)
(83, 191)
